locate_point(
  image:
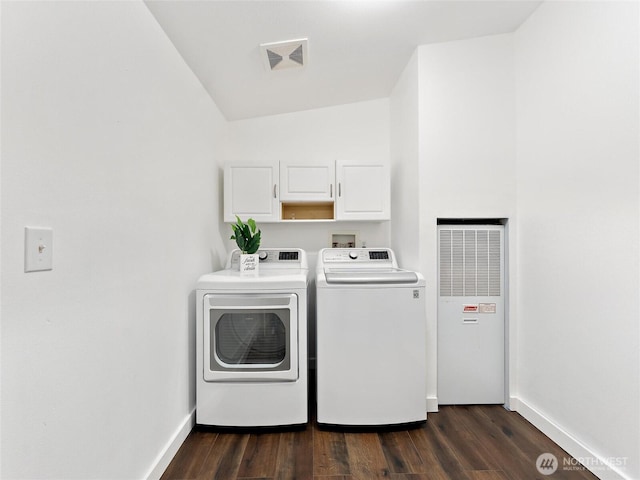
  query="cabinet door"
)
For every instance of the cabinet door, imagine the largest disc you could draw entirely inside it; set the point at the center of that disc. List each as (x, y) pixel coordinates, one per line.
(363, 191)
(251, 191)
(306, 183)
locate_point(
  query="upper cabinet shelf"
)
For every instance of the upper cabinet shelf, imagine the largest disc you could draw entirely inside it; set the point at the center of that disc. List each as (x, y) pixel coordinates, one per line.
(290, 191)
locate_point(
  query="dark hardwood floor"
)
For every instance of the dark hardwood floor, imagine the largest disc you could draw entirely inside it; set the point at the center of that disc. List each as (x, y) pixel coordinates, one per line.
(457, 443)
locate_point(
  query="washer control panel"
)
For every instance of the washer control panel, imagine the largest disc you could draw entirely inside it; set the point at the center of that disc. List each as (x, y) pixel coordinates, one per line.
(357, 255)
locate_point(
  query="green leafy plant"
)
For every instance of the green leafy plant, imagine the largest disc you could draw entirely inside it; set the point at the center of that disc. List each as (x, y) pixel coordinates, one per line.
(246, 235)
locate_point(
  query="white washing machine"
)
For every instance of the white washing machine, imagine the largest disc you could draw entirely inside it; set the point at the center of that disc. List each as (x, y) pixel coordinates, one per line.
(251, 343)
(371, 346)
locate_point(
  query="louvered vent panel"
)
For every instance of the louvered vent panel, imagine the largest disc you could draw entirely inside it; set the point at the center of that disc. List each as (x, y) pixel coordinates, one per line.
(445, 263)
(457, 264)
(470, 263)
(483, 263)
(494, 263)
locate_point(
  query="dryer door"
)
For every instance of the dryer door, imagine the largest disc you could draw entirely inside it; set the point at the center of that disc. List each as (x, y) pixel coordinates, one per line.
(250, 337)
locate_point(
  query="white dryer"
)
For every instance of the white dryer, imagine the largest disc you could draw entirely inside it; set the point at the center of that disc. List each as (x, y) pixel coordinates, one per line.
(251, 343)
(371, 348)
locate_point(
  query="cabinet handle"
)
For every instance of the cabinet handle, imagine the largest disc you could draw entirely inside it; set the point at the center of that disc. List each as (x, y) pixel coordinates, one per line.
(331, 190)
(339, 189)
(275, 192)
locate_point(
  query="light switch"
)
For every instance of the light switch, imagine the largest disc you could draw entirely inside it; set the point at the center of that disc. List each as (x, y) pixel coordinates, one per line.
(38, 249)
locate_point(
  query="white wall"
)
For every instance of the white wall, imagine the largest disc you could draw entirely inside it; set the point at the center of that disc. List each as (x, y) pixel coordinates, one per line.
(466, 149)
(578, 221)
(405, 186)
(109, 139)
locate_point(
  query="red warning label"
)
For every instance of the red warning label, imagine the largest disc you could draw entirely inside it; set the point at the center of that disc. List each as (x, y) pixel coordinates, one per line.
(470, 308)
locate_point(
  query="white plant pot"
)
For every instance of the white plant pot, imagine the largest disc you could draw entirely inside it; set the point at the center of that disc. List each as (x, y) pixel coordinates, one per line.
(249, 264)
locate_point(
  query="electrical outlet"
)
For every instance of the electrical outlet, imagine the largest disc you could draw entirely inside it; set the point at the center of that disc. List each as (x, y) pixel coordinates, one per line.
(38, 249)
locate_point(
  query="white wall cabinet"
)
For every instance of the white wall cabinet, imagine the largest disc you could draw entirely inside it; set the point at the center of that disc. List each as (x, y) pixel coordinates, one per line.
(364, 191)
(292, 191)
(251, 191)
(301, 182)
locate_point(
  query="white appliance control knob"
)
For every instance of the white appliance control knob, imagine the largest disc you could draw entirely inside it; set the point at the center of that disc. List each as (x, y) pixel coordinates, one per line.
(353, 255)
(263, 255)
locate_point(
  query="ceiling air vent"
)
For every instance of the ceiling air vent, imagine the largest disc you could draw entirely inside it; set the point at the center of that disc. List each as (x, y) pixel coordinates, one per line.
(282, 55)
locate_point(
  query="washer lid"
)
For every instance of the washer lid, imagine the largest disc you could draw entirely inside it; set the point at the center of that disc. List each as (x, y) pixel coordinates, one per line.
(370, 276)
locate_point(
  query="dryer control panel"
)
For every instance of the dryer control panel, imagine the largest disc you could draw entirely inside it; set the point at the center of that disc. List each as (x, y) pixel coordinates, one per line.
(280, 258)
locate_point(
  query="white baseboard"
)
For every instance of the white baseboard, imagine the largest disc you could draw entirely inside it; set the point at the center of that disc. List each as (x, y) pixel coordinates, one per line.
(432, 404)
(512, 404)
(598, 465)
(171, 448)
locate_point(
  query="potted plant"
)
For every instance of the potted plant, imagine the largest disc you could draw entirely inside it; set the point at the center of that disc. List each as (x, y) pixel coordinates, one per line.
(247, 237)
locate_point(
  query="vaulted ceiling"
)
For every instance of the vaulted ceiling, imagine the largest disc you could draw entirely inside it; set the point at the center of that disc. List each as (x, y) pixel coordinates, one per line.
(356, 49)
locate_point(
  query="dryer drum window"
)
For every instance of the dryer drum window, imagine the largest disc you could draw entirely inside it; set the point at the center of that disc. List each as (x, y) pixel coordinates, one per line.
(250, 339)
